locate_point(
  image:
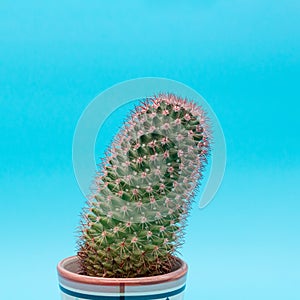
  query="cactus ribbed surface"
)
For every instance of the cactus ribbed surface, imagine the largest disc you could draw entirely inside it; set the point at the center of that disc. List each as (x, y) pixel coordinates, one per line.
(134, 222)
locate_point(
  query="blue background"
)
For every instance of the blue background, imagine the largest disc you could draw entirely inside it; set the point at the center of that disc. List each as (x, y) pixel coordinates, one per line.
(243, 57)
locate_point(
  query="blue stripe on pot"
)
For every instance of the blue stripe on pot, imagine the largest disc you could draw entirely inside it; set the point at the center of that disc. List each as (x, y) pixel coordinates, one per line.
(145, 297)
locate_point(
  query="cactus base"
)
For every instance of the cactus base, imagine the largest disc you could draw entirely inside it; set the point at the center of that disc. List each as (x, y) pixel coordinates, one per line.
(75, 286)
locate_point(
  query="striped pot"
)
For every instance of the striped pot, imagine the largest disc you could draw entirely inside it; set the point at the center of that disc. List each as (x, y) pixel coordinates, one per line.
(76, 287)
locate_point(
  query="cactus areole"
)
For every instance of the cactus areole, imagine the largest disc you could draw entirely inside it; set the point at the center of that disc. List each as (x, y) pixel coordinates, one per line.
(134, 221)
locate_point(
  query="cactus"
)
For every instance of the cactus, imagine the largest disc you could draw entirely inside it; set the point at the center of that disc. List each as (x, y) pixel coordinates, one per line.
(134, 222)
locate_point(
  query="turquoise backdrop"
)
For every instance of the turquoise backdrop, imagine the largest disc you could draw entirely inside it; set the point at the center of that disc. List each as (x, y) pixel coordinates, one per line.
(242, 56)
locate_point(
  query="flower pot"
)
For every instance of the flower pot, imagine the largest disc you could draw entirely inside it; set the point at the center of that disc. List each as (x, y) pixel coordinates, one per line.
(74, 286)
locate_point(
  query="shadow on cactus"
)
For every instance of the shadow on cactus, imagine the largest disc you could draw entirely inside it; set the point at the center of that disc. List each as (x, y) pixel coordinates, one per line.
(134, 223)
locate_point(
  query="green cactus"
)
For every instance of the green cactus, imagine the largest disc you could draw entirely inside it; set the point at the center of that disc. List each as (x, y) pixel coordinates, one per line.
(134, 223)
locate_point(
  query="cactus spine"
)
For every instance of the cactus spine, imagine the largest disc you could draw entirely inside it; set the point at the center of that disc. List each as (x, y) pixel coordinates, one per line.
(134, 222)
